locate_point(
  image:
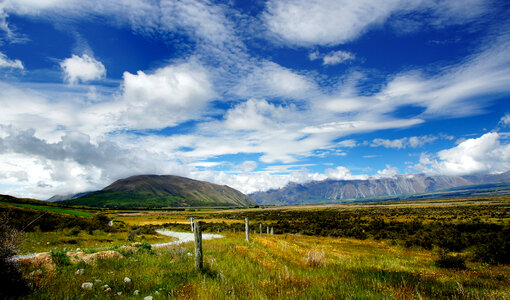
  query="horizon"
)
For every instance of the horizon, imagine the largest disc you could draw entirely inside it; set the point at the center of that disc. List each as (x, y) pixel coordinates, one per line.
(250, 95)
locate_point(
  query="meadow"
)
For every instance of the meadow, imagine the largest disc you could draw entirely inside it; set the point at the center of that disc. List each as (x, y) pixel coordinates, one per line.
(453, 249)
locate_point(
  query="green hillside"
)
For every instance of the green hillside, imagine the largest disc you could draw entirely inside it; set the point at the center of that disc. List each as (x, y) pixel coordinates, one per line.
(157, 191)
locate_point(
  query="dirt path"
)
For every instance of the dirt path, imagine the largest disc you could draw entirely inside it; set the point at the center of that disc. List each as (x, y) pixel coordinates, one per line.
(182, 237)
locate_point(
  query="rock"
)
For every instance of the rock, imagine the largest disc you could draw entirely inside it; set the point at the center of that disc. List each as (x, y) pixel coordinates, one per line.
(97, 280)
(80, 272)
(87, 286)
(136, 292)
(76, 257)
(106, 288)
(119, 293)
(156, 293)
(41, 260)
(148, 298)
(127, 279)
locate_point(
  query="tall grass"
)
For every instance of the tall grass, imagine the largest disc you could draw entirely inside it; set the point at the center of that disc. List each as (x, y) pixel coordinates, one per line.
(283, 266)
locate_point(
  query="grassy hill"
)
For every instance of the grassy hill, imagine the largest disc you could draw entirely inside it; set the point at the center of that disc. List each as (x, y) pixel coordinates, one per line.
(157, 191)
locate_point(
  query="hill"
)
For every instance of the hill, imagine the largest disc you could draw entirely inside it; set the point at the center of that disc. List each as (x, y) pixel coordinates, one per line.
(158, 191)
(398, 187)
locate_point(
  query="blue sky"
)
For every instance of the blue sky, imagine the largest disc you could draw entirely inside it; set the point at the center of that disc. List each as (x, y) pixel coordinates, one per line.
(252, 94)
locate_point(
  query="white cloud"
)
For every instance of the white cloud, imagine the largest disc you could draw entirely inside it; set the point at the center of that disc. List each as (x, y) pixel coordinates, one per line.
(247, 166)
(389, 172)
(342, 173)
(311, 22)
(337, 57)
(82, 68)
(166, 97)
(72, 164)
(269, 79)
(333, 22)
(405, 142)
(485, 154)
(350, 127)
(5, 62)
(505, 120)
(257, 181)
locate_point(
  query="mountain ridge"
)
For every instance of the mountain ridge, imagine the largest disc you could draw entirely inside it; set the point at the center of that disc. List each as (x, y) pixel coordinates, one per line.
(331, 190)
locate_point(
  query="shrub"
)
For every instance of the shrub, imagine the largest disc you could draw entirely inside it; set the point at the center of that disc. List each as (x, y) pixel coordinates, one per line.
(145, 247)
(12, 283)
(60, 258)
(450, 261)
(74, 231)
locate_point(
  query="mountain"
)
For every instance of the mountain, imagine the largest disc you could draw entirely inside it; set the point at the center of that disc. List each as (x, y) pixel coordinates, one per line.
(156, 191)
(57, 198)
(331, 191)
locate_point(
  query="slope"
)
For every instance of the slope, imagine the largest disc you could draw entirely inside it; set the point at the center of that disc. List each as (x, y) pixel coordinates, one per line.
(157, 191)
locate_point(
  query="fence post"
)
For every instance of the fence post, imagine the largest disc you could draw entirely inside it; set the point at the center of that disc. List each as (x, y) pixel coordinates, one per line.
(260, 226)
(198, 246)
(267, 230)
(272, 230)
(247, 226)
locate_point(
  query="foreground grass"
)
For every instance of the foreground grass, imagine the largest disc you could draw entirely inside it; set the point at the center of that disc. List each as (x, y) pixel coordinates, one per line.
(283, 266)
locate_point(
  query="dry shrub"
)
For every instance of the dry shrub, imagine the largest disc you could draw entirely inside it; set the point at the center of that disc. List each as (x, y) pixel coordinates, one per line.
(315, 258)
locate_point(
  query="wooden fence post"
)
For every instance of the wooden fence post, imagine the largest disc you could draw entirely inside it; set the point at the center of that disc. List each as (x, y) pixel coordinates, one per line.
(247, 226)
(260, 229)
(198, 246)
(267, 230)
(272, 230)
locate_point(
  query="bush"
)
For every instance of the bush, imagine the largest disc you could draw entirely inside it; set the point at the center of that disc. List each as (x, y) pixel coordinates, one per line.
(12, 283)
(60, 258)
(449, 261)
(494, 251)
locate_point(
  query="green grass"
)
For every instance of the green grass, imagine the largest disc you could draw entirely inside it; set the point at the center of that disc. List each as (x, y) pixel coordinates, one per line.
(284, 266)
(51, 209)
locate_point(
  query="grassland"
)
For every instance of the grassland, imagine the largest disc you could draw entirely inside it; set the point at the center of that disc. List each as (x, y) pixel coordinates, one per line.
(362, 251)
(280, 266)
(54, 209)
(69, 239)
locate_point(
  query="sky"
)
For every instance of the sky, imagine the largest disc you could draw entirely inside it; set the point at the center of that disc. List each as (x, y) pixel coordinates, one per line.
(250, 94)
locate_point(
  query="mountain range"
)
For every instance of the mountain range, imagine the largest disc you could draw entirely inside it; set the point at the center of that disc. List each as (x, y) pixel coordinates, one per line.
(331, 191)
(157, 191)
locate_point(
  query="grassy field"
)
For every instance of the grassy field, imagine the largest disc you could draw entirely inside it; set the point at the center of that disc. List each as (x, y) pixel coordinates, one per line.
(69, 239)
(280, 266)
(400, 250)
(54, 209)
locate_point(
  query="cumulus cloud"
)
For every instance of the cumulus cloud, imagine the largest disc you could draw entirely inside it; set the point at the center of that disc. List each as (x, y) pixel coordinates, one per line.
(485, 154)
(73, 164)
(258, 181)
(343, 173)
(166, 97)
(5, 62)
(333, 57)
(389, 172)
(337, 57)
(82, 69)
(333, 22)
